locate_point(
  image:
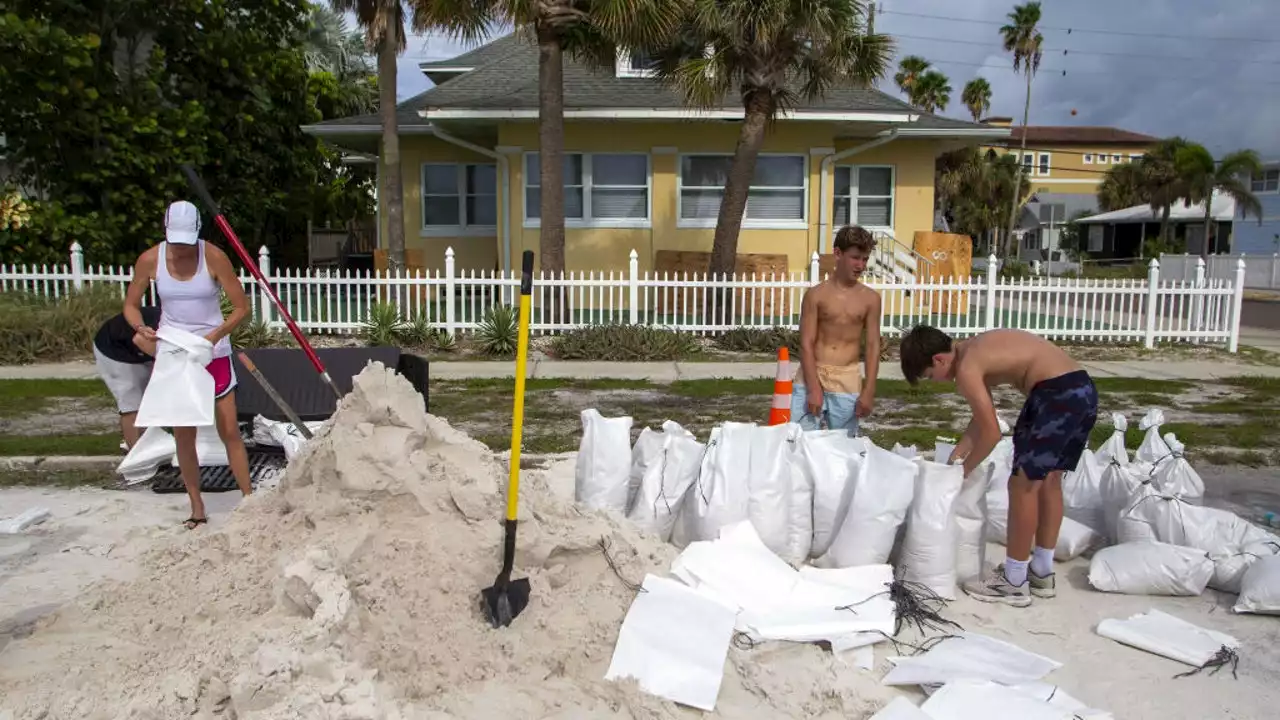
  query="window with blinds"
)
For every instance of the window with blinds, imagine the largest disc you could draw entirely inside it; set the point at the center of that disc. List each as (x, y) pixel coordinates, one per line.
(459, 196)
(777, 193)
(864, 196)
(599, 188)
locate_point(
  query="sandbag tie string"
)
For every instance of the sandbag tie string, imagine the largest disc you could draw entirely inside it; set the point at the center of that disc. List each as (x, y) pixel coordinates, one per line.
(1222, 658)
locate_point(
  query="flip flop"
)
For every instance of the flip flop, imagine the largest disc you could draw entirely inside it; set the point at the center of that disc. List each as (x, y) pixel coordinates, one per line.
(193, 523)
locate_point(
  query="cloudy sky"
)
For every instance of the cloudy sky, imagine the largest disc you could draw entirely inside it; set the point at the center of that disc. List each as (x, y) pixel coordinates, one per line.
(1203, 69)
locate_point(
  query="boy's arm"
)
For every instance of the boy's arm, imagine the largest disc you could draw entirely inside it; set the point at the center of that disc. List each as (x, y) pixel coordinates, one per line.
(965, 445)
(871, 332)
(986, 429)
(808, 346)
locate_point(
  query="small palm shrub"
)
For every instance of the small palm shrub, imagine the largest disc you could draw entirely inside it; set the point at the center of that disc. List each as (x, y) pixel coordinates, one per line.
(499, 331)
(382, 326)
(624, 343)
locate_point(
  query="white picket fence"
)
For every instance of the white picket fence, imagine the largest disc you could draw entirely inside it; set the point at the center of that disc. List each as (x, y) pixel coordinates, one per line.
(1261, 271)
(330, 301)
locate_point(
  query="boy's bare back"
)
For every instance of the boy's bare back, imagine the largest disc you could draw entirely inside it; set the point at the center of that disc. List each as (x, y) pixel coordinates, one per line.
(1012, 357)
(840, 314)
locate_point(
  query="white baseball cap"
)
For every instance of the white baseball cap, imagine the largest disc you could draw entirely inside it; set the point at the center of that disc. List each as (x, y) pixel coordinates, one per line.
(182, 223)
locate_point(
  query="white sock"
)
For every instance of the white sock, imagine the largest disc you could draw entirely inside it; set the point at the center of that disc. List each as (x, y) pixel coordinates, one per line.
(1015, 571)
(1041, 562)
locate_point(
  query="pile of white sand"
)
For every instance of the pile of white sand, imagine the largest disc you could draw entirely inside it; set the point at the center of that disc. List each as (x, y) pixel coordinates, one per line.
(353, 592)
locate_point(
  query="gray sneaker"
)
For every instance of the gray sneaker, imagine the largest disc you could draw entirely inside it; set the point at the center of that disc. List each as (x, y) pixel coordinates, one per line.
(1042, 587)
(997, 589)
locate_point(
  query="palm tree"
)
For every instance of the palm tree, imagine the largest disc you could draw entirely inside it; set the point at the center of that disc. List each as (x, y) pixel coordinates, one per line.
(331, 48)
(1022, 38)
(910, 69)
(973, 186)
(772, 54)
(1204, 177)
(588, 30)
(1123, 186)
(1162, 184)
(977, 97)
(934, 90)
(383, 22)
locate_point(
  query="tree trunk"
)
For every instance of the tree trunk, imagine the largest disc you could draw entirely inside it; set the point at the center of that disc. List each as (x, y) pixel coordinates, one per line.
(1017, 178)
(759, 107)
(393, 181)
(551, 172)
(1164, 226)
(1208, 215)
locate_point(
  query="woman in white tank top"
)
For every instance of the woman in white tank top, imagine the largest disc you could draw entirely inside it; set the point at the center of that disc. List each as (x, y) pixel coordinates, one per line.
(189, 276)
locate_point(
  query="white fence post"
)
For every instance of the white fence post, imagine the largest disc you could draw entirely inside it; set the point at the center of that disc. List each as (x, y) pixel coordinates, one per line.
(450, 288)
(77, 266)
(1198, 302)
(1237, 303)
(1275, 271)
(633, 286)
(993, 272)
(814, 278)
(1153, 286)
(266, 310)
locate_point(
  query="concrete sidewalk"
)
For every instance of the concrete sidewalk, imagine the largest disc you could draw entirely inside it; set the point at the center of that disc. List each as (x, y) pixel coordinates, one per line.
(662, 372)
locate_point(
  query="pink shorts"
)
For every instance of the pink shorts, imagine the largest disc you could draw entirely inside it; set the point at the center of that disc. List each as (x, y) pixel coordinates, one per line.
(224, 376)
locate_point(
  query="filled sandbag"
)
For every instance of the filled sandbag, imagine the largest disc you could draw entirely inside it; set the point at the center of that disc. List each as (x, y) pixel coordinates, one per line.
(603, 472)
(720, 494)
(883, 492)
(1113, 447)
(1150, 568)
(1074, 539)
(1082, 494)
(1175, 476)
(907, 451)
(646, 457)
(929, 546)
(180, 390)
(282, 434)
(1153, 448)
(1233, 544)
(1116, 488)
(154, 448)
(779, 497)
(831, 459)
(1260, 588)
(970, 509)
(665, 480)
(999, 464)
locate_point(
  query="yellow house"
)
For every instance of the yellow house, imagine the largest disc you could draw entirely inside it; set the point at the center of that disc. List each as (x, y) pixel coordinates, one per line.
(1068, 159)
(642, 171)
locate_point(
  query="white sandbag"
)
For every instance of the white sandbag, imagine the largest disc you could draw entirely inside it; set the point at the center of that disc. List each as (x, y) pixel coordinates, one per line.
(831, 459)
(1153, 448)
(721, 495)
(283, 434)
(942, 450)
(907, 451)
(1082, 494)
(1175, 476)
(1163, 634)
(1074, 539)
(180, 390)
(1000, 464)
(604, 462)
(646, 456)
(970, 509)
(798, 532)
(1117, 487)
(1150, 568)
(970, 656)
(817, 608)
(664, 485)
(929, 548)
(882, 495)
(1260, 588)
(154, 448)
(773, 489)
(23, 520)
(210, 452)
(972, 699)
(900, 709)
(1113, 447)
(1232, 543)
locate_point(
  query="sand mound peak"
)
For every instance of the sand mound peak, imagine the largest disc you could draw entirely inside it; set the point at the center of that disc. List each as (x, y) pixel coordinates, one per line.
(353, 592)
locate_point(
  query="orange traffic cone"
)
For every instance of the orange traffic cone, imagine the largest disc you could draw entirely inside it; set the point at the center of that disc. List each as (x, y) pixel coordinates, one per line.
(780, 413)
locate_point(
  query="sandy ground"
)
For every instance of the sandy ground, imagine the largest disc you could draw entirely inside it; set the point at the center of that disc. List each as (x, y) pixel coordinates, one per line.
(96, 535)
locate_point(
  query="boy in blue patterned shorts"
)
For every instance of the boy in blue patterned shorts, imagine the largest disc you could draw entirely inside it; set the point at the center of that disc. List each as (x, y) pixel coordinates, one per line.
(1051, 434)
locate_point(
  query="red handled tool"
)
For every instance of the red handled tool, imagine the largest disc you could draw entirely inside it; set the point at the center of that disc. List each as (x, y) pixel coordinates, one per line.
(203, 192)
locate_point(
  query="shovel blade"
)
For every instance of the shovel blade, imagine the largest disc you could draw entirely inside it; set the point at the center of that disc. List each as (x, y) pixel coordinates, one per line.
(505, 600)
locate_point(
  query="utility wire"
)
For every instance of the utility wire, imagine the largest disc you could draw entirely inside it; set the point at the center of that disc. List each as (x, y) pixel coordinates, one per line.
(1071, 30)
(1249, 85)
(1069, 52)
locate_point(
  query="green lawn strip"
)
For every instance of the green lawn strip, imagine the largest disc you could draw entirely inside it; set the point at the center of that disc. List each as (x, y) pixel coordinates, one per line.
(68, 478)
(42, 445)
(23, 397)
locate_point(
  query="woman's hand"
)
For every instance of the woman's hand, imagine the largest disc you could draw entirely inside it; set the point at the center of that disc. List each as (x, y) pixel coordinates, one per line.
(146, 333)
(145, 345)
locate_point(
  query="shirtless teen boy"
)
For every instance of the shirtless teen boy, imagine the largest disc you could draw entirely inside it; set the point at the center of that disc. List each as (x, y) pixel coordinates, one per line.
(835, 317)
(1059, 413)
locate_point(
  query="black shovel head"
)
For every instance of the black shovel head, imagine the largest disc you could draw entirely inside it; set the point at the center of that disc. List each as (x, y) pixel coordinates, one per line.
(505, 600)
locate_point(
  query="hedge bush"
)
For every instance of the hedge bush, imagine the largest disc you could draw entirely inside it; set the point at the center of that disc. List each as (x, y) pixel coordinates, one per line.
(624, 343)
(34, 328)
(759, 340)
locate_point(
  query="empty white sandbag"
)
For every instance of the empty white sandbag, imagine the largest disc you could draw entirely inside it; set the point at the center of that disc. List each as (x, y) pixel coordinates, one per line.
(907, 451)
(1150, 568)
(180, 390)
(831, 459)
(900, 709)
(1153, 448)
(604, 462)
(1163, 634)
(1113, 447)
(1175, 476)
(882, 495)
(154, 448)
(1260, 588)
(665, 481)
(1082, 494)
(929, 548)
(210, 452)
